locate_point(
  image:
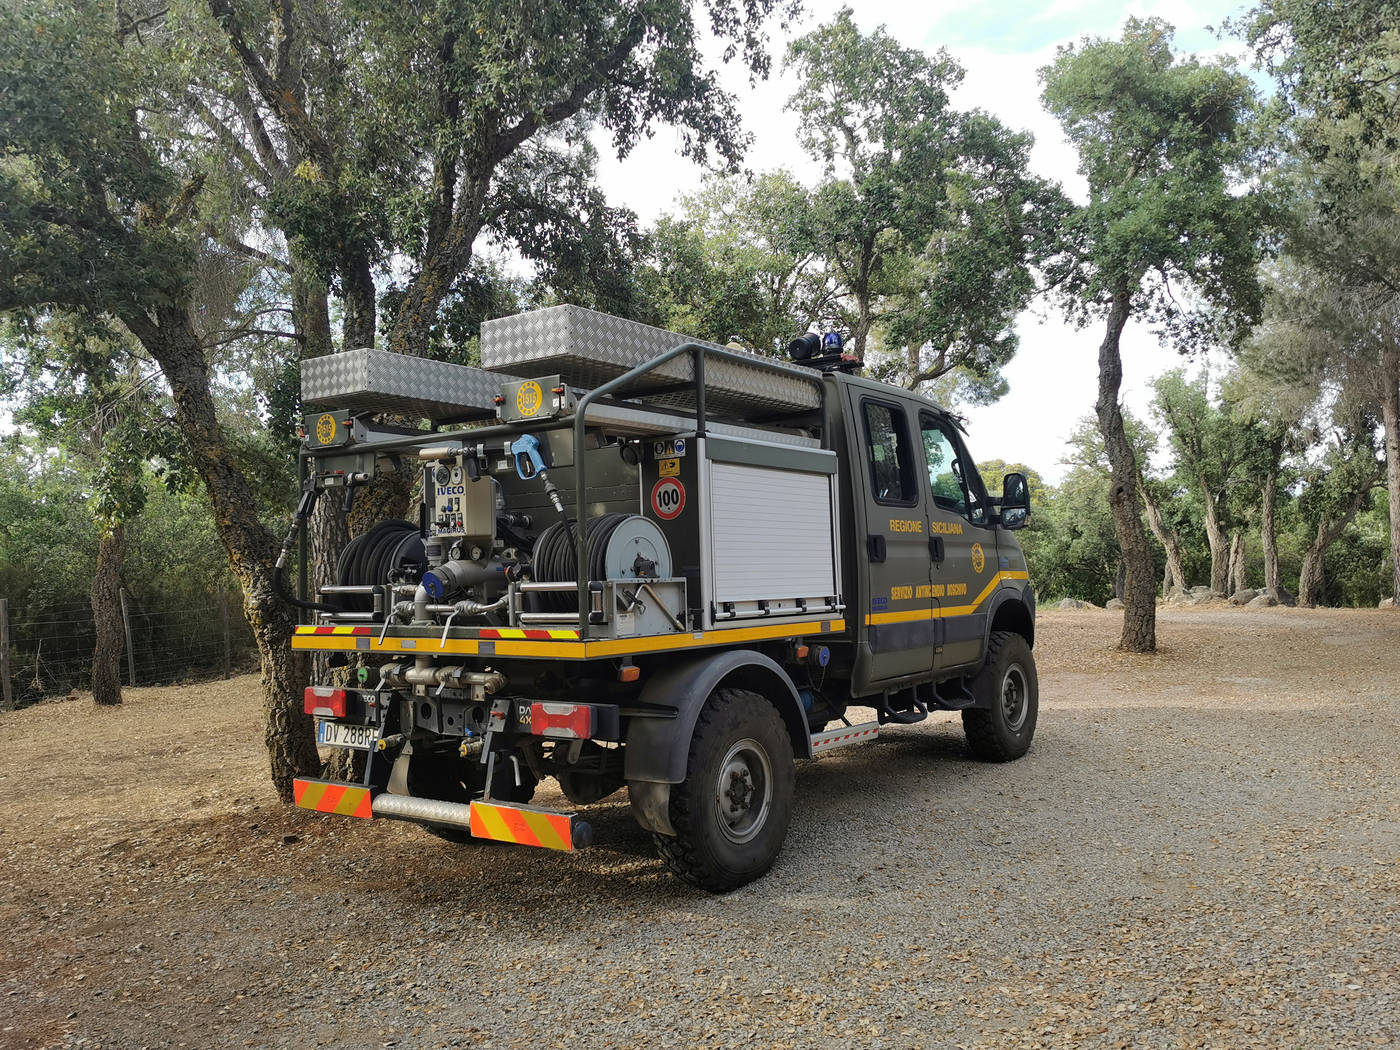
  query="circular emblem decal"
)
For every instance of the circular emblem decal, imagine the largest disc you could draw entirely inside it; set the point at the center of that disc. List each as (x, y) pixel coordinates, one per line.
(325, 428)
(979, 560)
(528, 398)
(667, 498)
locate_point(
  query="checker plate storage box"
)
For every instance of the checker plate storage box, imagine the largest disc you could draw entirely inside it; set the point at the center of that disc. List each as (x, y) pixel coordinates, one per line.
(380, 381)
(587, 348)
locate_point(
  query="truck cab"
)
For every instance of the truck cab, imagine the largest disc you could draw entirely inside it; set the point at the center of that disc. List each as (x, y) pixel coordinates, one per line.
(646, 563)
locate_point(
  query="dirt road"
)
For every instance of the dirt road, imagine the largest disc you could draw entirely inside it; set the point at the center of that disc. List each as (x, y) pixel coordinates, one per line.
(1202, 849)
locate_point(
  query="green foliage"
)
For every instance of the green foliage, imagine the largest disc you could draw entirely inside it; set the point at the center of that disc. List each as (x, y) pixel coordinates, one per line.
(741, 260)
(1164, 144)
(927, 219)
(88, 213)
(1337, 66)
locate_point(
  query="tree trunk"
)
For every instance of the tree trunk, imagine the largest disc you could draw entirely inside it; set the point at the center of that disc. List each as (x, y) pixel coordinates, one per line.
(1310, 578)
(169, 337)
(359, 296)
(1219, 543)
(1237, 561)
(1390, 419)
(442, 264)
(1268, 533)
(107, 617)
(311, 318)
(1139, 597)
(1175, 578)
(1310, 581)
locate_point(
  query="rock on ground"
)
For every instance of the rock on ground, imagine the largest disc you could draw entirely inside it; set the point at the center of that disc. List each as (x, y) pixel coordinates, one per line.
(1113, 603)
(1261, 601)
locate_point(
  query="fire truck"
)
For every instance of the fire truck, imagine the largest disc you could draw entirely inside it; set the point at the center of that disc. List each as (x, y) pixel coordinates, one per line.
(641, 561)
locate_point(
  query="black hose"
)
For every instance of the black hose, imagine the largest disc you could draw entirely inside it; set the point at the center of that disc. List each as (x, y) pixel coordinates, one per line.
(555, 559)
(370, 557)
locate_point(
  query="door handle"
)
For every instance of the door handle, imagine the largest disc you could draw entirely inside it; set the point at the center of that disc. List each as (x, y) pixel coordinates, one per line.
(875, 545)
(935, 548)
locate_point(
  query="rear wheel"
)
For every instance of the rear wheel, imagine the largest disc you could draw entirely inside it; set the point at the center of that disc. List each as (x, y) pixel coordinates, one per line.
(731, 812)
(1002, 724)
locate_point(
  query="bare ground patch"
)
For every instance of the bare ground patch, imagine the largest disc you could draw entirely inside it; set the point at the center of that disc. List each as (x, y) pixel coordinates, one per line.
(1202, 849)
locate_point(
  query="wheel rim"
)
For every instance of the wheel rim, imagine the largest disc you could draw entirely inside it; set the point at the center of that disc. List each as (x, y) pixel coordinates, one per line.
(1014, 705)
(744, 790)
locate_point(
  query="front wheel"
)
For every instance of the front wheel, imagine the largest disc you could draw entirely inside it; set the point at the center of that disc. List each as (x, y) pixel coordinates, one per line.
(731, 812)
(1002, 724)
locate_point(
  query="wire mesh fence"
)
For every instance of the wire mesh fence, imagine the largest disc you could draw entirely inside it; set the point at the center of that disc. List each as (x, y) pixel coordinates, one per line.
(51, 649)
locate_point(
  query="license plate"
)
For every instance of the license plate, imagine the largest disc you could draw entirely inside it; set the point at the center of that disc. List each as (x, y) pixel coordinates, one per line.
(340, 734)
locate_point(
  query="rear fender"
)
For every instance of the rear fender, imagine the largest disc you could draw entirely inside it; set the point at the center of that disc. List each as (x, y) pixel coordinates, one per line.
(658, 748)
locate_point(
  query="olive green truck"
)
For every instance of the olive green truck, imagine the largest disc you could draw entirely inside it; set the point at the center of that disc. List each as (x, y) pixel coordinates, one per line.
(637, 561)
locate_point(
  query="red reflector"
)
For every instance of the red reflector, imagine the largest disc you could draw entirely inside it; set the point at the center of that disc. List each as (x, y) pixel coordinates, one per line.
(566, 721)
(324, 701)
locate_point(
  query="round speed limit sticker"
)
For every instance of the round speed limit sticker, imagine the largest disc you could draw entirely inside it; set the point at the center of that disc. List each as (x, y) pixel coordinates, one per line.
(667, 498)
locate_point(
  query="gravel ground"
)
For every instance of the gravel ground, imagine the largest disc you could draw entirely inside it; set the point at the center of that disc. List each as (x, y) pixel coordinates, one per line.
(1202, 849)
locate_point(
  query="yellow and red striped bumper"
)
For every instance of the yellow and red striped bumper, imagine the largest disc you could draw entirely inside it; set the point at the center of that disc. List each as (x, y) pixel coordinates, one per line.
(327, 796)
(524, 825)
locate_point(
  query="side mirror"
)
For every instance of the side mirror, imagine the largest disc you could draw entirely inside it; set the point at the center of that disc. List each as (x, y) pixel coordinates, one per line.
(1015, 501)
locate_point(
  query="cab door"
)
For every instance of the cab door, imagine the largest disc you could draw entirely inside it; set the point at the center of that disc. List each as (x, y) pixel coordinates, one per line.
(899, 629)
(963, 546)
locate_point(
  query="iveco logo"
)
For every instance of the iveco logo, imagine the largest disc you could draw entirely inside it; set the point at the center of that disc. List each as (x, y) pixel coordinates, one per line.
(451, 490)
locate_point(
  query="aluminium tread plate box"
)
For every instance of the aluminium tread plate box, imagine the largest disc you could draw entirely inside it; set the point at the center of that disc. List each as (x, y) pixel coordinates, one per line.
(587, 348)
(380, 381)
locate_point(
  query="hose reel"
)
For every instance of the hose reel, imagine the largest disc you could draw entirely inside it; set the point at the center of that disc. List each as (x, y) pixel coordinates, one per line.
(617, 547)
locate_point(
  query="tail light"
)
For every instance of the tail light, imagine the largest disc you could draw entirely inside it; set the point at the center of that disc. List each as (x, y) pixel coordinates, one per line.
(324, 701)
(562, 721)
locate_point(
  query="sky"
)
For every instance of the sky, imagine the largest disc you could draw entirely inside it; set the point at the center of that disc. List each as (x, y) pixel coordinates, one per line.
(1001, 44)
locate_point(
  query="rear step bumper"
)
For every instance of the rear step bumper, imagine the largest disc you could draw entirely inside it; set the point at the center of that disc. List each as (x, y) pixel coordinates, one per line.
(525, 825)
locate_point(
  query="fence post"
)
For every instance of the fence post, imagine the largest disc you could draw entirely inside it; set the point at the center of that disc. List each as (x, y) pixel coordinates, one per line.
(223, 617)
(7, 700)
(130, 650)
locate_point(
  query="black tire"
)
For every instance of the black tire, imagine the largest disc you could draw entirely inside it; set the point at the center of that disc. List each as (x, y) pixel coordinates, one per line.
(725, 839)
(1000, 728)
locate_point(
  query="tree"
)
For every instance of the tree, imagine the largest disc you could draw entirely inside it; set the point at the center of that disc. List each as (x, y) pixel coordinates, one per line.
(1338, 70)
(94, 219)
(741, 259)
(1210, 447)
(1162, 141)
(926, 218)
(1335, 490)
(1273, 420)
(87, 396)
(103, 206)
(461, 143)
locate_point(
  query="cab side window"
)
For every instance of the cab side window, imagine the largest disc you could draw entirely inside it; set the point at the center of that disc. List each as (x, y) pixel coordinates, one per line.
(892, 478)
(950, 479)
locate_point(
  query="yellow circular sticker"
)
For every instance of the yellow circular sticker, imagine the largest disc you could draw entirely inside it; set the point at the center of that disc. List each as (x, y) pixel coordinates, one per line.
(528, 398)
(979, 560)
(325, 428)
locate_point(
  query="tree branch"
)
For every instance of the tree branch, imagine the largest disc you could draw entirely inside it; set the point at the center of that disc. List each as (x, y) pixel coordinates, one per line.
(561, 109)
